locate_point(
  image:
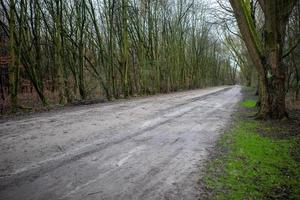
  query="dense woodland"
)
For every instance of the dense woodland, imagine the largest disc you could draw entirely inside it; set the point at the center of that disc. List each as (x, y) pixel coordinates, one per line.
(86, 49)
(114, 48)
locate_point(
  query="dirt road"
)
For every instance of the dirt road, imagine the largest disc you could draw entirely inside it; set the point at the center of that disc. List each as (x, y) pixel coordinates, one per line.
(146, 148)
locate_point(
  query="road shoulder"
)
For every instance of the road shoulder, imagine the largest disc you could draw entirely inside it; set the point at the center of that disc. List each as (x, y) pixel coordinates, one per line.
(254, 159)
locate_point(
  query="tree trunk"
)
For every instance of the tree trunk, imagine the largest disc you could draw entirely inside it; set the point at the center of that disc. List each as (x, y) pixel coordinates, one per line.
(58, 53)
(125, 50)
(272, 98)
(12, 66)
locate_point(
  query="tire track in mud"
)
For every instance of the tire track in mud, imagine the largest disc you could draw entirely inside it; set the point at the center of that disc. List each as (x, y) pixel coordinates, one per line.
(36, 170)
(163, 116)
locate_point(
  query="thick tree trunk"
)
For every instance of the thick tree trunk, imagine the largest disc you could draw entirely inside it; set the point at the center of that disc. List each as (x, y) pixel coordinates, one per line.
(272, 98)
(278, 108)
(263, 103)
(267, 54)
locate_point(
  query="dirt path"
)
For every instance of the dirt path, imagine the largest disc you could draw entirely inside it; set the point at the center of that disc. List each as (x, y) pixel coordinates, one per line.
(147, 148)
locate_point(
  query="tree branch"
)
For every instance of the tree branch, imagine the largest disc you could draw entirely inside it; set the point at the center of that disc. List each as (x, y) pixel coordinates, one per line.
(292, 48)
(248, 31)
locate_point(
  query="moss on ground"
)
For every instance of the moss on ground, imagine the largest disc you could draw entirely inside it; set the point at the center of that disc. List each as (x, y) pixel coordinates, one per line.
(248, 103)
(254, 165)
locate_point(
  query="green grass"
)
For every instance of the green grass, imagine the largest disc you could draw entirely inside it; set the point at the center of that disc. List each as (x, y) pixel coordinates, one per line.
(254, 167)
(248, 103)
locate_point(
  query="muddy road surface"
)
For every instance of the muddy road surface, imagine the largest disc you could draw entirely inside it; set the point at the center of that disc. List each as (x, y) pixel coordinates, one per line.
(145, 148)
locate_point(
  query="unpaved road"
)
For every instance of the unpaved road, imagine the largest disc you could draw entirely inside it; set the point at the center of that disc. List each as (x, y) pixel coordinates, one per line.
(146, 148)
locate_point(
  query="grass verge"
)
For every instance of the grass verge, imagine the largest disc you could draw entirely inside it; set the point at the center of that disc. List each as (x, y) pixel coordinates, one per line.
(248, 103)
(251, 163)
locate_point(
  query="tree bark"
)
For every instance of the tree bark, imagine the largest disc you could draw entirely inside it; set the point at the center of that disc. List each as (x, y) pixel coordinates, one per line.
(12, 65)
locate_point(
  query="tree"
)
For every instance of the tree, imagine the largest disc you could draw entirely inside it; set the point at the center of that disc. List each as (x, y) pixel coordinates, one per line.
(78, 50)
(266, 52)
(13, 66)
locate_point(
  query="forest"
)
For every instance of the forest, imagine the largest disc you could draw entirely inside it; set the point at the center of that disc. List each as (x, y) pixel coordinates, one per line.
(69, 51)
(79, 50)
